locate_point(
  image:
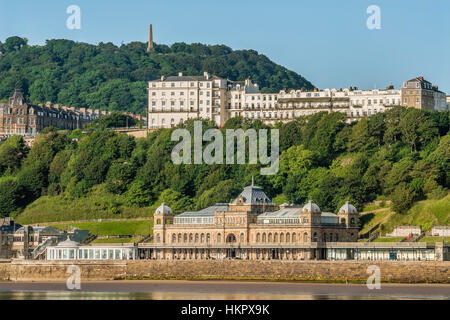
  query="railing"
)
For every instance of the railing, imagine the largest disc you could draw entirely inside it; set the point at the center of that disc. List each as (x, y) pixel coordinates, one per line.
(374, 236)
(89, 239)
(41, 248)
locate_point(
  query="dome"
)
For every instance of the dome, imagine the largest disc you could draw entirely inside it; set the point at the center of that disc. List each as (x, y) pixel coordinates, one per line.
(68, 243)
(348, 208)
(163, 209)
(311, 207)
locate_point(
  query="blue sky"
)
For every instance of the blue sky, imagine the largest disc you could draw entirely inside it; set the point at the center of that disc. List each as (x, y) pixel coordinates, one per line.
(326, 41)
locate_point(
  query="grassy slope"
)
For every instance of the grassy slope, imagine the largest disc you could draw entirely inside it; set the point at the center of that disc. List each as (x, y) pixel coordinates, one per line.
(424, 213)
(97, 205)
(112, 228)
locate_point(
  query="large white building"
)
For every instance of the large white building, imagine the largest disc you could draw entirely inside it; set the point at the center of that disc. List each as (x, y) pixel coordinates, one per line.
(175, 99)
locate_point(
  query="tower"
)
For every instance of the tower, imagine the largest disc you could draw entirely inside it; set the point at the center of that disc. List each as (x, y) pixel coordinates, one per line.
(150, 46)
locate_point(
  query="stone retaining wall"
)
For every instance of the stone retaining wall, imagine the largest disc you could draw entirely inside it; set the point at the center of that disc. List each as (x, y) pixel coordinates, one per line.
(402, 272)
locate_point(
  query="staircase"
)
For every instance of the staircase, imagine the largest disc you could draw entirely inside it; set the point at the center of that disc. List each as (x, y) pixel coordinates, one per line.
(40, 249)
(89, 239)
(146, 239)
(374, 236)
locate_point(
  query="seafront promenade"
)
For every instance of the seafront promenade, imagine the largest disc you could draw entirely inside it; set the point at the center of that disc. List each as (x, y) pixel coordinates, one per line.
(318, 271)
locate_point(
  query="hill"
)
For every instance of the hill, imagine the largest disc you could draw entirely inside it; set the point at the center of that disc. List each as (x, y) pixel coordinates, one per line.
(108, 77)
(402, 155)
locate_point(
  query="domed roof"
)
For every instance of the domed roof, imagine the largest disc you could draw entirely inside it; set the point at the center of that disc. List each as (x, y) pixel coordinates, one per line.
(311, 207)
(253, 195)
(348, 208)
(68, 243)
(163, 209)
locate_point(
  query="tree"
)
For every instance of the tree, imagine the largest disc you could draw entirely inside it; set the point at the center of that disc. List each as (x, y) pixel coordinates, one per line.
(14, 43)
(416, 128)
(402, 198)
(118, 177)
(9, 197)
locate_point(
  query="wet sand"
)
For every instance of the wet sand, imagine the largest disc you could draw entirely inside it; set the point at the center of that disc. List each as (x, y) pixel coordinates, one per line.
(219, 290)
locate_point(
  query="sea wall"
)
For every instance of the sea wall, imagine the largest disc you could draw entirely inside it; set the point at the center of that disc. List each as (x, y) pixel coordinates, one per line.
(327, 271)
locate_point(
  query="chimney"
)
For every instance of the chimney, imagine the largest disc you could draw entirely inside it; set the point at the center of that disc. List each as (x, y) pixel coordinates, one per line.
(163, 78)
(421, 78)
(180, 74)
(206, 75)
(150, 46)
(316, 90)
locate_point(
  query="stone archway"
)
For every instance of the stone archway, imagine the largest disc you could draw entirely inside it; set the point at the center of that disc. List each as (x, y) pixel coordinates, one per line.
(231, 238)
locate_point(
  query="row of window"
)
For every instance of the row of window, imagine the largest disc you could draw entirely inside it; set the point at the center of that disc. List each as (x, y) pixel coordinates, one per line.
(182, 84)
(264, 237)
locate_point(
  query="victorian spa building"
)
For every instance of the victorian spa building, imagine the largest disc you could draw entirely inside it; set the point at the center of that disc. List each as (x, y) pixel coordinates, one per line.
(251, 227)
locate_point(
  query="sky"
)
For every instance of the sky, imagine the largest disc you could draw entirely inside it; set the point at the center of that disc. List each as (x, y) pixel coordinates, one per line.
(326, 41)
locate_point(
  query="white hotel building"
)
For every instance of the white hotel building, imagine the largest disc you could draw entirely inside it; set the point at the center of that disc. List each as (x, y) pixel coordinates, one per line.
(175, 99)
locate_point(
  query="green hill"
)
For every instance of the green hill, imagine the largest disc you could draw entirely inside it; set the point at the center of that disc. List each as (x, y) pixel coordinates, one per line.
(425, 213)
(108, 77)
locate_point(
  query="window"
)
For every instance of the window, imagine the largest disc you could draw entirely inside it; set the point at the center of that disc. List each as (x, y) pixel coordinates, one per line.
(305, 237)
(258, 237)
(219, 238)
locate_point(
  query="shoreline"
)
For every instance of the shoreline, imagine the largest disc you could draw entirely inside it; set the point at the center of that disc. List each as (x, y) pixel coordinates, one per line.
(222, 290)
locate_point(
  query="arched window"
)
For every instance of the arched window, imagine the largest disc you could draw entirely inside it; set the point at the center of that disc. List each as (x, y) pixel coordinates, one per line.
(174, 238)
(163, 122)
(258, 237)
(185, 238)
(231, 238)
(270, 238)
(281, 237)
(158, 221)
(294, 237)
(314, 239)
(305, 237)
(158, 238)
(179, 238)
(288, 237)
(275, 237)
(219, 238)
(191, 238)
(342, 220)
(203, 238)
(242, 237)
(331, 237)
(208, 238)
(337, 237)
(264, 238)
(196, 238)
(352, 221)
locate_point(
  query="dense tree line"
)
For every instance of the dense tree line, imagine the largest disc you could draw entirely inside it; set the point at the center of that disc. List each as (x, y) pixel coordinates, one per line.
(113, 78)
(403, 154)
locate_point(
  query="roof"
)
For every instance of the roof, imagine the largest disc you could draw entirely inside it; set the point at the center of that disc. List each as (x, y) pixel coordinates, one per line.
(189, 78)
(207, 212)
(253, 195)
(311, 207)
(283, 213)
(68, 243)
(163, 209)
(348, 208)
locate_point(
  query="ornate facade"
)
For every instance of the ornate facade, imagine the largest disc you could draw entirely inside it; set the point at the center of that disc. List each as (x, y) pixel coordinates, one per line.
(251, 227)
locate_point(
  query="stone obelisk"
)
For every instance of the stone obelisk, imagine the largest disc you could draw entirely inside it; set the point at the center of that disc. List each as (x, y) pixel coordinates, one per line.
(150, 46)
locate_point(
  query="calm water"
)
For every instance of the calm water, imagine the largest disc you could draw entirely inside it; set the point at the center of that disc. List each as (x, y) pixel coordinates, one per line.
(216, 290)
